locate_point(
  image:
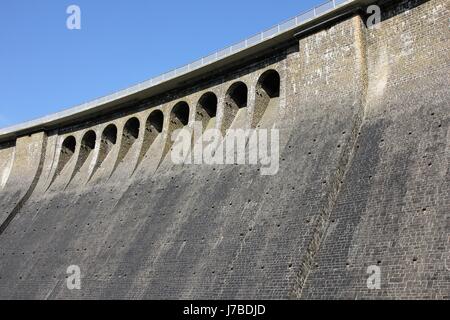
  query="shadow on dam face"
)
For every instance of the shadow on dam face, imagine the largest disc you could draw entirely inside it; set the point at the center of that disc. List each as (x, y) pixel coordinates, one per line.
(178, 119)
(129, 136)
(236, 100)
(153, 127)
(67, 151)
(86, 148)
(361, 180)
(267, 94)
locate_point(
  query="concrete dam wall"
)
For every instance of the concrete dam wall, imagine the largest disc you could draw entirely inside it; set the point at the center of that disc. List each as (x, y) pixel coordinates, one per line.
(363, 114)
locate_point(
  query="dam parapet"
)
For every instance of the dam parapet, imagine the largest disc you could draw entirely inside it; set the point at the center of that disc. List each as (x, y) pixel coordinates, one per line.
(363, 118)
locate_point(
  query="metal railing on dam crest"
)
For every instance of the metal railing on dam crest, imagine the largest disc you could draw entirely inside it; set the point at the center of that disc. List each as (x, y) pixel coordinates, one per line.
(259, 38)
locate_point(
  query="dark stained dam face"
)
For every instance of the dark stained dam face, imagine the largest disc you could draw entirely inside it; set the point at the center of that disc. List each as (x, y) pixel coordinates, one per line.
(358, 208)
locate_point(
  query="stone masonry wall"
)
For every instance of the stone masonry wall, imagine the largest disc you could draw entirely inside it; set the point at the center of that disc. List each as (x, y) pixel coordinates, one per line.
(363, 116)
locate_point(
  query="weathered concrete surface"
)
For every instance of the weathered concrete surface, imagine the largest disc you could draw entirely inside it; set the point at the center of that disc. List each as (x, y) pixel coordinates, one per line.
(393, 207)
(363, 115)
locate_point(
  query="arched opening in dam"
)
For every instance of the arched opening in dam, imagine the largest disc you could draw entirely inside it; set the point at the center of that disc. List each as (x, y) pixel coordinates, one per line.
(108, 140)
(109, 135)
(236, 100)
(130, 134)
(7, 153)
(131, 129)
(270, 83)
(155, 122)
(179, 116)
(153, 127)
(238, 95)
(88, 141)
(267, 95)
(207, 110)
(86, 148)
(68, 146)
(67, 151)
(328, 182)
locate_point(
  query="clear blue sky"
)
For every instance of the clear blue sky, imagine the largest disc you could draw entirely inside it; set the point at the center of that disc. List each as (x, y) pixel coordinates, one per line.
(45, 68)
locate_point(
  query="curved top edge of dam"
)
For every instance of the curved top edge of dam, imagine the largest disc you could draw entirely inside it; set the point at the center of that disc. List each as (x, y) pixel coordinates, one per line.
(264, 41)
